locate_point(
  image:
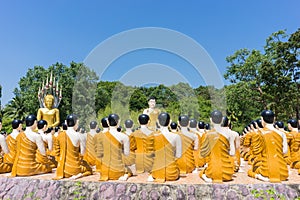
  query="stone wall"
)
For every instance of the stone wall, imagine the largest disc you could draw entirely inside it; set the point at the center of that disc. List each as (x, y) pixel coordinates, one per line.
(34, 189)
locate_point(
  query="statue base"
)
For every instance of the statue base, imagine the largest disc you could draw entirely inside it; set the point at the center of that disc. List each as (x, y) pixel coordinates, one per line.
(137, 187)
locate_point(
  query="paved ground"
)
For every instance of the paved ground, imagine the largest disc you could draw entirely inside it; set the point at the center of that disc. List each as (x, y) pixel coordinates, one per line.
(240, 178)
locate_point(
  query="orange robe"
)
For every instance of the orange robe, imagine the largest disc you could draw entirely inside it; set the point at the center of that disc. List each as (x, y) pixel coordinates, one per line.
(186, 162)
(25, 163)
(248, 144)
(4, 167)
(290, 140)
(130, 159)
(295, 150)
(144, 156)
(112, 167)
(12, 146)
(153, 118)
(70, 161)
(164, 167)
(269, 162)
(199, 160)
(98, 139)
(90, 154)
(40, 157)
(216, 147)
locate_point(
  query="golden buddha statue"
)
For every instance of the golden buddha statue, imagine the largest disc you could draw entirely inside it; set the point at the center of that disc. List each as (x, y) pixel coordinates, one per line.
(49, 98)
(49, 114)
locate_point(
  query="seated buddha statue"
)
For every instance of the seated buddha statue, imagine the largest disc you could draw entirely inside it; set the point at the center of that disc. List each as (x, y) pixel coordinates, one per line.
(70, 149)
(269, 147)
(219, 146)
(28, 143)
(48, 113)
(167, 149)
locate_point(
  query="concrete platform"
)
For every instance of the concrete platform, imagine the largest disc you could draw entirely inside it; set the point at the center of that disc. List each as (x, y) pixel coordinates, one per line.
(189, 187)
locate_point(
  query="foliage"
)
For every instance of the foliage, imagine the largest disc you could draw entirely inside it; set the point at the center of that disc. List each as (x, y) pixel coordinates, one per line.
(78, 191)
(83, 98)
(26, 102)
(270, 193)
(265, 79)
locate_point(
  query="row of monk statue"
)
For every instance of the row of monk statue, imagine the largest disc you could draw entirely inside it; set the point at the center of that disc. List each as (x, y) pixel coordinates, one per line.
(166, 153)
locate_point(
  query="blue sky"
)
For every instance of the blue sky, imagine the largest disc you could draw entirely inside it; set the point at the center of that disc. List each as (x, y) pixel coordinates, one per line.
(45, 32)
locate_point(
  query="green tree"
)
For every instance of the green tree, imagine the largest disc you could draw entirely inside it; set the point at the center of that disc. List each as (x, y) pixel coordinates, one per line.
(138, 100)
(83, 97)
(15, 109)
(120, 101)
(265, 80)
(187, 99)
(29, 85)
(103, 94)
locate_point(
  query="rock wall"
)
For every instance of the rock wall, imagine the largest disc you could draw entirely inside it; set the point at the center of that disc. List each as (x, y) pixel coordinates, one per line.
(36, 189)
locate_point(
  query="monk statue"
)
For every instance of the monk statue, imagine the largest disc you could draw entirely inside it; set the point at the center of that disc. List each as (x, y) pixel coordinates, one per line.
(90, 154)
(28, 143)
(152, 112)
(98, 143)
(70, 150)
(246, 141)
(4, 167)
(218, 146)
(294, 143)
(200, 131)
(144, 141)
(167, 148)
(174, 127)
(193, 127)
(236, 160)
(11, 141)
(190, 140)
(129, 160)
(48, 112)
(48, 143)
(113, 145)
(290, 139)
(269, 147)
